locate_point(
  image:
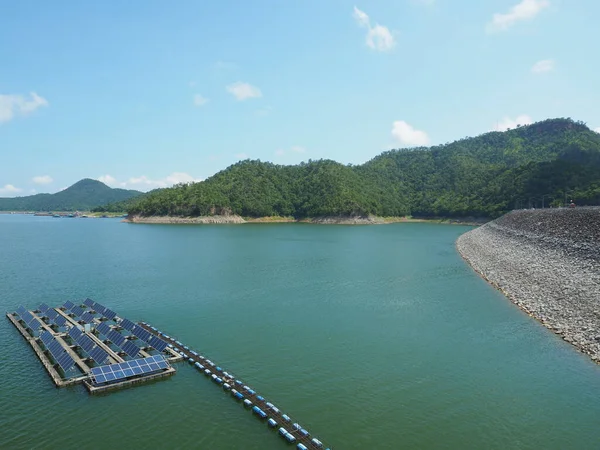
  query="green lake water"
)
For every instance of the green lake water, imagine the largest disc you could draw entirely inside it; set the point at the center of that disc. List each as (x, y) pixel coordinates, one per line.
(371, 337)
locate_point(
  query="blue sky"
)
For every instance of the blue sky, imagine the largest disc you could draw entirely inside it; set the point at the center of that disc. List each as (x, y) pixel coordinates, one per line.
(147, 93)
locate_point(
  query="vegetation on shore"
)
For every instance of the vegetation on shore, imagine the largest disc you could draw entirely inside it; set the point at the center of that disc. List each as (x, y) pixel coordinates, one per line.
(484, 176)
(83, 196)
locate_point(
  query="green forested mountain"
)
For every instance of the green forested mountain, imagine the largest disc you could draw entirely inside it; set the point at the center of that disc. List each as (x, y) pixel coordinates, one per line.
(482, 176)
(83, 195)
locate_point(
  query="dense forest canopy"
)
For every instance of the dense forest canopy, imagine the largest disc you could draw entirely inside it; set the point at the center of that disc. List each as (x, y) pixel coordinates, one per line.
(485, 176)
(83, 195)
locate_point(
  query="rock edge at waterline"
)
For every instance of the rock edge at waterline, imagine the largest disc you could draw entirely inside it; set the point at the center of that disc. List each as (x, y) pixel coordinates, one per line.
(548, 263)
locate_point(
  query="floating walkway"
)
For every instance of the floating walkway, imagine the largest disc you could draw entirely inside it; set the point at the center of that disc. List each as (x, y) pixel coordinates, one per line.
(288, 429)
(88, 343)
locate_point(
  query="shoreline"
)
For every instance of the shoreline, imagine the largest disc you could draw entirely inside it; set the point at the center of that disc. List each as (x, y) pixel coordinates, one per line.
(326, 220)
(549, 278)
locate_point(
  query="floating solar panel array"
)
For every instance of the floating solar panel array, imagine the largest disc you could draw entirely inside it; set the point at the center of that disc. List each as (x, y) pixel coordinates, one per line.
(108, 313)
(32, 322)
(94, 351)
(57, 351)
(121, 371)
(89, 302)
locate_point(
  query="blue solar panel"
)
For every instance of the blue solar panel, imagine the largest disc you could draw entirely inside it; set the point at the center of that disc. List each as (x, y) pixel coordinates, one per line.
(21, 310)
(103, 328)
(116, 338)
(87, 317)
(85, 343)
(46, 337)
(74, 333)
(34, 323)
(116, 372)
(109, 314)
(60, 320)
(69, 304)
(57, 351)
(130, 348)
(99, 308)
(158, 343)
(77, 310)
(89, 302)
(99, 355)
(51, 314)
(43, 307)
(127, 324)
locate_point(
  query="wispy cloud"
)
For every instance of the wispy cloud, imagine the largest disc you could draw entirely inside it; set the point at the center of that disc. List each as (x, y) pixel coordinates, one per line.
(200, 100)
(597, 129)
(407, 135)
(9, 189)
(378, 37)
(43, 179)
(506, 123)
(525, 10)
(545, 65)
(243, 91)
(13, 105)
(145, 183)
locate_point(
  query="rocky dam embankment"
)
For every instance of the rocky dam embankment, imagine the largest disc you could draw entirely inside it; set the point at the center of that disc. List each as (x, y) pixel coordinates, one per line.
(548, 263)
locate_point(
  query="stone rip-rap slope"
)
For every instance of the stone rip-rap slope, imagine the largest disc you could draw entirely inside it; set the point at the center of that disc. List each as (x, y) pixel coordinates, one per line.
(548, 263)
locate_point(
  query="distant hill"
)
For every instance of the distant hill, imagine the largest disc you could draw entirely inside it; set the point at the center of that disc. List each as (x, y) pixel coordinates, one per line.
(83, 195)
(484, 176)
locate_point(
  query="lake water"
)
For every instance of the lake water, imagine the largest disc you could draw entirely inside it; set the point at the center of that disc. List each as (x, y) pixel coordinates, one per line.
(376, 337)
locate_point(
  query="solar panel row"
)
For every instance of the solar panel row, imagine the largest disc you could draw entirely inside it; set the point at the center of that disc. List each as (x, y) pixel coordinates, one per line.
(89, 302)
(57, 351)
(59, 320)
(116, 372)
(43, 307)
(94, 351)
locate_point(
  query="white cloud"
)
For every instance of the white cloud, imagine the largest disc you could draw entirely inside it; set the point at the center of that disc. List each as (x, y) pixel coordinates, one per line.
(597, 130)
(378, 37)
(508, 124)
(199, 100)
(12, 105)
(545, 65)
(525, 10)
(243, 91)
(43, 179)
(408, 135)
(9, 189)
(241, 156)
(145, 183)
(107, 179)
(279, 152)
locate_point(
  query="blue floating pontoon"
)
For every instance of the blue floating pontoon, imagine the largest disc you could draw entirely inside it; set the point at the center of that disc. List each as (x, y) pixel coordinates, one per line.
(301, 447)
(259, 412)
(317, 442)
(272, 423)
(286, 418)
(260, 398)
